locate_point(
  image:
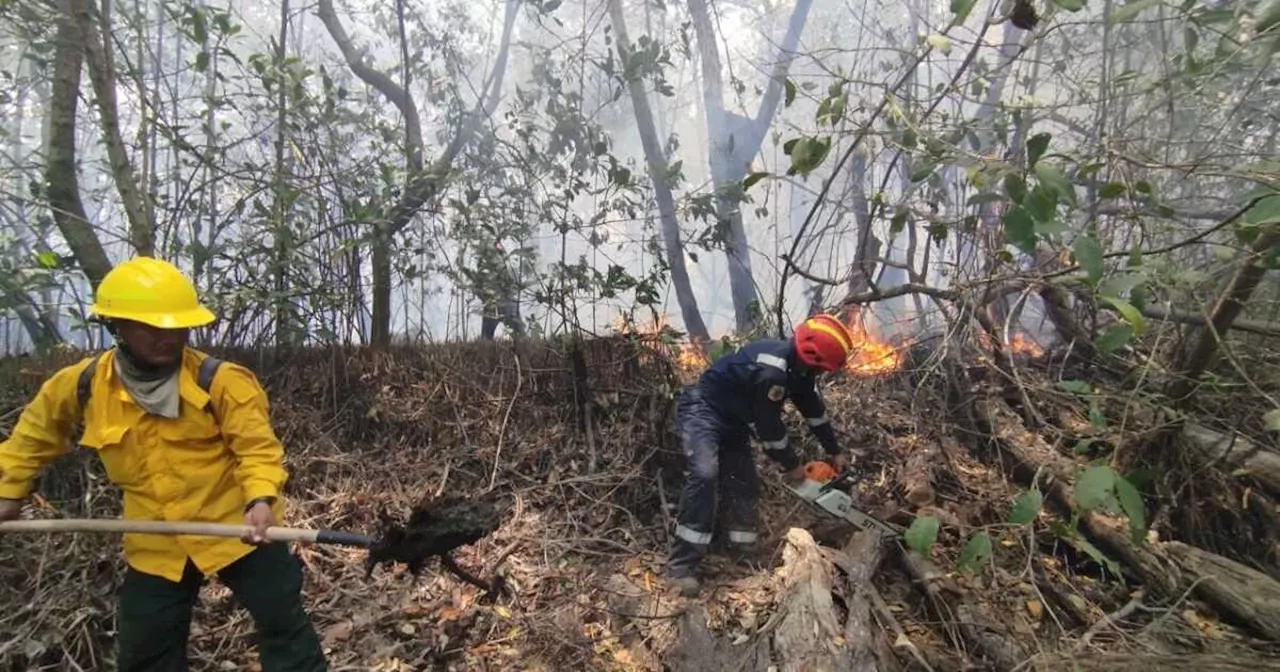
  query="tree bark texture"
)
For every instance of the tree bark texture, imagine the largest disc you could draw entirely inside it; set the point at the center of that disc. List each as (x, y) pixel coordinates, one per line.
(61, 176)
(94, 25)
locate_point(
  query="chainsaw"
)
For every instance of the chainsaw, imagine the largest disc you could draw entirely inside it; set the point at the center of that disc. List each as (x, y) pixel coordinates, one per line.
(829, 492)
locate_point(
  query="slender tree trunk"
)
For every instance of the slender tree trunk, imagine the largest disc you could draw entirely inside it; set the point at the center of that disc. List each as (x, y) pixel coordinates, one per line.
(282, 231)
(734, 141)
(657, 164)
(94, 25)
(62, 181)
(423, 184)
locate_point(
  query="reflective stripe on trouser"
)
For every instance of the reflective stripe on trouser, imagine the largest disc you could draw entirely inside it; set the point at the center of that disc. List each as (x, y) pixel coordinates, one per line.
(718, 458)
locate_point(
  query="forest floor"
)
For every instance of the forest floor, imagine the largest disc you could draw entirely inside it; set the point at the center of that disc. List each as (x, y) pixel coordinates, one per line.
(580, 451)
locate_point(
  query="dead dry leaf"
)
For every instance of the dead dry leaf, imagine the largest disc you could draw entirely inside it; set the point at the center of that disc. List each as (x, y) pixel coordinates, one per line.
(1035, 609)
(338, 632)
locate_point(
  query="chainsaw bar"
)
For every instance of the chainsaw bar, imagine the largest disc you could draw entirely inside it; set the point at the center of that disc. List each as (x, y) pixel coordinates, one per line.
(830, 499)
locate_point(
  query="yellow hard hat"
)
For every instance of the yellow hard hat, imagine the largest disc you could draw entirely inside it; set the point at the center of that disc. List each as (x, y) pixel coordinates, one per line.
(150, 291)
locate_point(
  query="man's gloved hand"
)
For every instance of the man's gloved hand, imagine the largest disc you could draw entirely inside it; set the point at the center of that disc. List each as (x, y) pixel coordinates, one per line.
(841, 460)
(795, 475)
(258, 516)
(10, 509)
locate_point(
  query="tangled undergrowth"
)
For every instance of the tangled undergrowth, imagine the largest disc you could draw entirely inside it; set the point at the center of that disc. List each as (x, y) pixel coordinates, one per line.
(577, 446)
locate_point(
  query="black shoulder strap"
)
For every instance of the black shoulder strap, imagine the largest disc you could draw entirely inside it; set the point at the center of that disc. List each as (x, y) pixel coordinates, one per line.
(208, 369)
(204, 378)
(84, 385)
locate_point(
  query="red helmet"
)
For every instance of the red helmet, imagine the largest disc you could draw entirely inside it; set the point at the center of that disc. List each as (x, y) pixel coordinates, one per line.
(823, 343)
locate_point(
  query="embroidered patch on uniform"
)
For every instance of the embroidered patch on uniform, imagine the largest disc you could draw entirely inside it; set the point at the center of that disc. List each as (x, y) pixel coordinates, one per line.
(776, 393)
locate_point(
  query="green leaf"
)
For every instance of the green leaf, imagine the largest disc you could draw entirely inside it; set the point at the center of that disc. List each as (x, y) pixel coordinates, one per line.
(790, 87)
(1042, 203)
(1088, 252)
(1098, 556)
(1015, 187)
(1130, 314)
(925, 169)
(1051, 227)
(910, 138)
(752, 179)
(1115, 337)
(922, 534)
(1112, 190)
(983, 198)
(47, 260)
(1070, 5)
(1094, 486)
(1036, 147)
(899, 221)
(976, 553)
(1130, 11)
(1268, 18)
(961, 9)
(1119, 284)
(1265, 211)
(202, 61)
(940, 42)
(1026, 507)
(1075, 386)
(1019, 229)
(809, 153)
(1053, 178)
(1132, 506)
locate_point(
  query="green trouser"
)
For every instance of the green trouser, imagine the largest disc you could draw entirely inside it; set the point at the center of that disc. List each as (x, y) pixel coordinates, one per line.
(155, 614)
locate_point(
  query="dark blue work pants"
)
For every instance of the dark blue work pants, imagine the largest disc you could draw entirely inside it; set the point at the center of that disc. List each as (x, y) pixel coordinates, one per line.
(719, 457)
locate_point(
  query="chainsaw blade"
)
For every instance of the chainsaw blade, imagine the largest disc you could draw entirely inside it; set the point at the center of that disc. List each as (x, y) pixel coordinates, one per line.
(838, 504)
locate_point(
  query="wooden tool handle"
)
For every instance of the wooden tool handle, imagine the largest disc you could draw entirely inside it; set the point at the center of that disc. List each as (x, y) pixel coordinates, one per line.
(176, 528)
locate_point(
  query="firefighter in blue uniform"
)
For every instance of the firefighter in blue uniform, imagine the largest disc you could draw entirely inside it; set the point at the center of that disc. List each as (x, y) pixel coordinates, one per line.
(741, 391)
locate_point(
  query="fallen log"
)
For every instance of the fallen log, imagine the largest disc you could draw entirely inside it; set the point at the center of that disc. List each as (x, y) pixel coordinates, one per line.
(806, 631)
(981, 632)
(810, 635)
(1166, 570)
(860, 562)
(1234, 454)
(1230, 587)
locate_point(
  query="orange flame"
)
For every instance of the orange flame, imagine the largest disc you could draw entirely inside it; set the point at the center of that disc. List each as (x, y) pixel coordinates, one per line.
(1021, 343)
(870, 356)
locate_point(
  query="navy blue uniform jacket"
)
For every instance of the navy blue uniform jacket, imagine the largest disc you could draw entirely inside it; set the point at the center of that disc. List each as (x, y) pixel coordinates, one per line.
(749, 386)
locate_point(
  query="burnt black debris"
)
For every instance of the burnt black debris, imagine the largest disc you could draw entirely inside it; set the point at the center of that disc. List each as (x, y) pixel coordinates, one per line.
(435, 529)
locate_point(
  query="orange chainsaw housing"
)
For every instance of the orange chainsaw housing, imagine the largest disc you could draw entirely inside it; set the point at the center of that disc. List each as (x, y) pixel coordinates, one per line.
(819, 471)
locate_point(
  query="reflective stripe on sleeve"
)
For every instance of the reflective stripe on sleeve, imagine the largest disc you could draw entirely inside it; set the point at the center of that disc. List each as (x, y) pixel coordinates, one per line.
(772, 360)
(742, 537)
(818, 421)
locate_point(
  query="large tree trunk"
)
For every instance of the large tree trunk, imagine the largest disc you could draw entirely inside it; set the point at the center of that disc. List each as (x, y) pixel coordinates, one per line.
(63, 182)
(734, 141)
(693, 324)
(423, 183)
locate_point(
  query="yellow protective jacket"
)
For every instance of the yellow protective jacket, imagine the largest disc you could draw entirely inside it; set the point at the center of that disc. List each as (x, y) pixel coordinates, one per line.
(193, 467)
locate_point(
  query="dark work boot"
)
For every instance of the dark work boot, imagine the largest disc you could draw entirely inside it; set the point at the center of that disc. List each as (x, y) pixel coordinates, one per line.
(684, 560)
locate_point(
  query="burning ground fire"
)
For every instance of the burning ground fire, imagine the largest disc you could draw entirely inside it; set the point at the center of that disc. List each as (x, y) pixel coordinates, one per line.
(871, 356)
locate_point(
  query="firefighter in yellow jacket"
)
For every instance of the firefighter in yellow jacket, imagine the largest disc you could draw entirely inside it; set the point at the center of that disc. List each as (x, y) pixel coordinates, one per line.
(184, 439)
